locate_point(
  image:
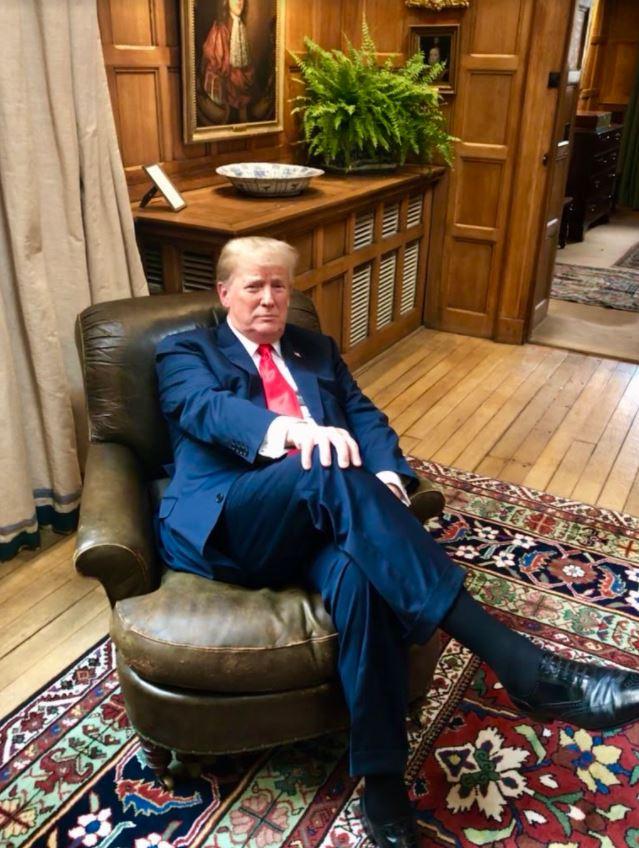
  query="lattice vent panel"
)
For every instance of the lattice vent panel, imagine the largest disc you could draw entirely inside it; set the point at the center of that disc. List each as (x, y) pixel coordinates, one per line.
(198, 271)
(386, 289)
(415, 209)
(409, 277)
(364, 230)
(390, 220)
(152, 259)
(360, 301)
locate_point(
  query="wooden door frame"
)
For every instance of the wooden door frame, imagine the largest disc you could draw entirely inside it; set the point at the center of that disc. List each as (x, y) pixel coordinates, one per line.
(547, 52)
(544, 210)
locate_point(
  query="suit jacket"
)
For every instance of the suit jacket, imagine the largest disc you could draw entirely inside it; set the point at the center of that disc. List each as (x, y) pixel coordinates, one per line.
(211, 395)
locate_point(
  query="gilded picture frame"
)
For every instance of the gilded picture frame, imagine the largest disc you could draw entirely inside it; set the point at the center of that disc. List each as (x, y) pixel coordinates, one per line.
(232, 68)
(438, 43)
(438, 5)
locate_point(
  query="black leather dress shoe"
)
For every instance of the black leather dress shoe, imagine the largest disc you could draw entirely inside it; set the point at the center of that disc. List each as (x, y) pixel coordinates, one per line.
(427, 503)
(587, 696)
(401, 833)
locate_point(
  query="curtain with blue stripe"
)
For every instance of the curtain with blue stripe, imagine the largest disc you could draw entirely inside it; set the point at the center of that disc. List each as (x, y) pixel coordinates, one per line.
(66, 241)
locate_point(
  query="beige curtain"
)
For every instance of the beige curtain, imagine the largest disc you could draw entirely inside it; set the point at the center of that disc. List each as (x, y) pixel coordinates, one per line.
(66, 241)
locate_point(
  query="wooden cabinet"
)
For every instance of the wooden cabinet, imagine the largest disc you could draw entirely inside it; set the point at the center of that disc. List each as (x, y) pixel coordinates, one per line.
(363, 245)
(592, 175)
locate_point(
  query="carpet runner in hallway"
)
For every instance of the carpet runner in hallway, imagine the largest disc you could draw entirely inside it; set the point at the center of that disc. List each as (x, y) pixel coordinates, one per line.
(630, 259)
(614, 288)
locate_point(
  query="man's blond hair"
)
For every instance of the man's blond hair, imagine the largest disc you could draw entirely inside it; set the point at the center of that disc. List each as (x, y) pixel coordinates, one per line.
(254, 247)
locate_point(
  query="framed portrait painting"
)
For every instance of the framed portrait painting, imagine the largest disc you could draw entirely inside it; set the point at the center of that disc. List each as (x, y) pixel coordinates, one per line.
(232, 68)
(438, 44)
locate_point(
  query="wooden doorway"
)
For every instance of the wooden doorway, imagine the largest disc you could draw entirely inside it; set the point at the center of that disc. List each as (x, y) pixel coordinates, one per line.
(558, 157)
(584, 295)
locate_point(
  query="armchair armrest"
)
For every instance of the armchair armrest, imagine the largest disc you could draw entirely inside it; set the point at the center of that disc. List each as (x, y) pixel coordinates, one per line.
(425, 501)
(424, 485)
(115, 540)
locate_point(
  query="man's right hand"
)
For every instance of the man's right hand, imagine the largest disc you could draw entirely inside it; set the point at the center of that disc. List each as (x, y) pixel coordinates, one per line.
(306, 435)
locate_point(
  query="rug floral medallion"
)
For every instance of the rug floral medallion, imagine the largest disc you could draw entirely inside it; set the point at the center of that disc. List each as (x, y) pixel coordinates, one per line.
(566, 574)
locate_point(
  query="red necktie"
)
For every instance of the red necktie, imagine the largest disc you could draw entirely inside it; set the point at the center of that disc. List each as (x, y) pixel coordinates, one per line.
(280, 397)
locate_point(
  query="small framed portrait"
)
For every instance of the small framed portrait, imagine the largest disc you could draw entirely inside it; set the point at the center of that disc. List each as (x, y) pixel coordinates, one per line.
(438, 44)
(232, 68)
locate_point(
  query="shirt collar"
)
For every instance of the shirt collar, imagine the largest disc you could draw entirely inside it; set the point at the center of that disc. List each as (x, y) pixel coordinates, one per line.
(251, 346)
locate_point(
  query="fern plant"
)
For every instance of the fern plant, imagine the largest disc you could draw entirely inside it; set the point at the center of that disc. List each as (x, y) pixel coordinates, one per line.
(354, 109)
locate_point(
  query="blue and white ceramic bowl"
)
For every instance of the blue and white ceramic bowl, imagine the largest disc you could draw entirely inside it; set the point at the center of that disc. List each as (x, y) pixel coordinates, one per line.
(269, 179)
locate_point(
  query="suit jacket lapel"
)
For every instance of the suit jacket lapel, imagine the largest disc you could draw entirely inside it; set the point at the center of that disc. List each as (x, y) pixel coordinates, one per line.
(301, 368)
(298, 362)
(235, 351)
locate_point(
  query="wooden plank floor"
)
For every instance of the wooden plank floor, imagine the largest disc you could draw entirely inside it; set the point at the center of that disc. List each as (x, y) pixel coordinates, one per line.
(559, 421)
(49, 616)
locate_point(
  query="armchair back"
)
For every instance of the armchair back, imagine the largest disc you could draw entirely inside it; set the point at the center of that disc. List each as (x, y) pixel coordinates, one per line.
(117, 340)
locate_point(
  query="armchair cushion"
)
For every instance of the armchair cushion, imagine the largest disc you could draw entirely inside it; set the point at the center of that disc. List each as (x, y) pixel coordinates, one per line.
(207, 635)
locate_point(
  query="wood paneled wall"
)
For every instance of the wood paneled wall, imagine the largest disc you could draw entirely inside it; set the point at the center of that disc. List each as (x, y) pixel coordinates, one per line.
(610, 65)
(488, 211)
(488, 122)
(480, 208)
(473, 204)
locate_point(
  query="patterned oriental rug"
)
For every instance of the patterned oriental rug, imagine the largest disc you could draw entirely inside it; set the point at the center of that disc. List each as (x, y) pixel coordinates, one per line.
(630, 259)
(614, 288)
(480, 774)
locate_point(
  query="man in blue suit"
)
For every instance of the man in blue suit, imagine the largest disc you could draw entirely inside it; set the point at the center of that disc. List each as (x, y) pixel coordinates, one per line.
(282, 464)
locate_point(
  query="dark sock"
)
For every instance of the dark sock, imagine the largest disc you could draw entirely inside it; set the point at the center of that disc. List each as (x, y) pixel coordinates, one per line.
(513, 658)
(386, 797)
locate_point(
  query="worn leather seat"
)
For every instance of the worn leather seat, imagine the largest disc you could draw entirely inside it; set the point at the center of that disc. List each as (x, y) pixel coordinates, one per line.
(206, 667)
(202, 634)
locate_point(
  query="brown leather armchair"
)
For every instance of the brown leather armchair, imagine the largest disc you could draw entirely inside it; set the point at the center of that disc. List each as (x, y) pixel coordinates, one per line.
(205, 667)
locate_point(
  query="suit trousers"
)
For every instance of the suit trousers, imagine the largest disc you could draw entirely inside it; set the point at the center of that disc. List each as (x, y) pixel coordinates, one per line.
(384, 580)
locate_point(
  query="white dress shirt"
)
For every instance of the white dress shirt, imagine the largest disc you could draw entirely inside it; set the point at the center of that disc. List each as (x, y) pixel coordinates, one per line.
(274, 444)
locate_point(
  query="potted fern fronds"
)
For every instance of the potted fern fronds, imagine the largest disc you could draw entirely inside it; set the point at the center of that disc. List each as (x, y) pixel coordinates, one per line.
(357, 113)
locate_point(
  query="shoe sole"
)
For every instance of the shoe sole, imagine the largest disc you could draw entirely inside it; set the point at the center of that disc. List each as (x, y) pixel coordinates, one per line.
(551, 719)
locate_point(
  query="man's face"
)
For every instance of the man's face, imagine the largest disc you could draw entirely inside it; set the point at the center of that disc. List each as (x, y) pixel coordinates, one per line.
(257, 295)
(236, 7)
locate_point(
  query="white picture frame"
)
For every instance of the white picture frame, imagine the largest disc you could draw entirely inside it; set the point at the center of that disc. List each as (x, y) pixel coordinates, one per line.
(162, 183)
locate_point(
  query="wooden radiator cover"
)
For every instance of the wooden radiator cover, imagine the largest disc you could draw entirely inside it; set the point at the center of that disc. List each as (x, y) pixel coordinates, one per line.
(363, 245)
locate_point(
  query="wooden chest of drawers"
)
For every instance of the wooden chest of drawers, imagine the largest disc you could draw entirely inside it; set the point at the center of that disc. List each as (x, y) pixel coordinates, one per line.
(591, 178)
